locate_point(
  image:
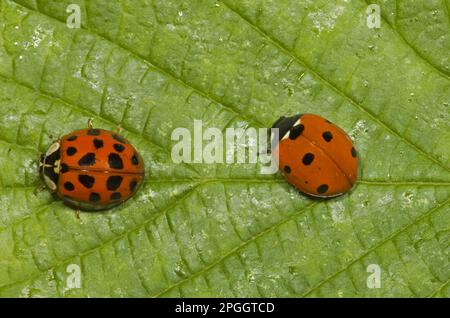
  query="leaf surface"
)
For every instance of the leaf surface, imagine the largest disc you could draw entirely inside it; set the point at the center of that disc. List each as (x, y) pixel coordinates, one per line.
(226, 230)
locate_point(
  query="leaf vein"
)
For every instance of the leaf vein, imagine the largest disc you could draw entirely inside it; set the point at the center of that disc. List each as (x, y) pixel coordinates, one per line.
(333, 87)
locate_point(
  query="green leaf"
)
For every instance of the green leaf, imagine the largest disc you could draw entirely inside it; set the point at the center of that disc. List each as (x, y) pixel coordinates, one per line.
(226, 230)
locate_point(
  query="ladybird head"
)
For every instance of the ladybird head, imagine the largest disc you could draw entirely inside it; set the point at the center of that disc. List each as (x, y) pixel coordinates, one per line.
(49, 166)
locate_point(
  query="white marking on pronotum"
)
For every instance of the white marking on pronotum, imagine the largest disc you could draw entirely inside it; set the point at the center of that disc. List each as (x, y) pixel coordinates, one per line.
(57, 166)
(50, 184)
(54, 147)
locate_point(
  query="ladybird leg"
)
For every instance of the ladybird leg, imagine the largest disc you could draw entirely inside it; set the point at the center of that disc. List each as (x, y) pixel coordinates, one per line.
(119, 129)
(39, 189)
(77, 214)
(91, 123)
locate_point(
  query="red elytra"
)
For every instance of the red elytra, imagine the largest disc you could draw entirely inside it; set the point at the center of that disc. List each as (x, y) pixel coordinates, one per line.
(315, 156)
(92, 169)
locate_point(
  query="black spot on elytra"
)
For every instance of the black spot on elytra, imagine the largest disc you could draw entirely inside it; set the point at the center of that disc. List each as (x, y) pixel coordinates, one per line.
(94, 197)
(114, 161)
(354, 153)
(63, 168)
(113, 183)
(119, 138)
(308, 159)
(72, 138)
(327, 136)
(119, 147)
(86, 180)
(69, 186)
(287, 169)
(296, 131)
(87, 160)
(133, 185)
(71, 151)
(135, 160)
(322, 188)
(115, 196)
(93, 132)
(98, 143)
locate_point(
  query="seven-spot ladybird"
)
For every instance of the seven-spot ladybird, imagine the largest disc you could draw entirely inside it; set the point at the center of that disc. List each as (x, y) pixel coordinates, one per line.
(92, 169)
(315, 156)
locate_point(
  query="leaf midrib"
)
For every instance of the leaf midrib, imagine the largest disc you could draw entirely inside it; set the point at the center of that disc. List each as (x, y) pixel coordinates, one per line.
(234, 250)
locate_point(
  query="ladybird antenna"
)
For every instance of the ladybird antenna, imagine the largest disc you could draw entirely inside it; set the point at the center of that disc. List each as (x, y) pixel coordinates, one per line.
(91, 123)
(119, 129)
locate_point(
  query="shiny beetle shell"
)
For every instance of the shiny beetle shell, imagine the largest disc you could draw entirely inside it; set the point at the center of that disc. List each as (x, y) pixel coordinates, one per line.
(315, 156)
(92, 169)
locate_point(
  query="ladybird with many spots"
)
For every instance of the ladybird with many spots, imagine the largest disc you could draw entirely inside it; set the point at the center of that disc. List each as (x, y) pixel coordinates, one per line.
(315, 156)
(92, 169)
